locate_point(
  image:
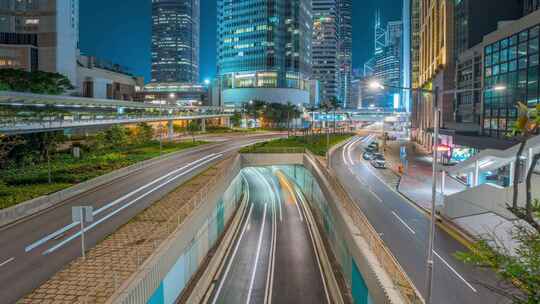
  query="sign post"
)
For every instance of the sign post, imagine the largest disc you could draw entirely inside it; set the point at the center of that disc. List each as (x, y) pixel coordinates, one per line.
(82, 214)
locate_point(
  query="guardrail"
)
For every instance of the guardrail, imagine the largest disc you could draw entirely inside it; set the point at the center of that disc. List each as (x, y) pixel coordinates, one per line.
(22, 125)
(376, 244)
(149, 270)
(269, 150)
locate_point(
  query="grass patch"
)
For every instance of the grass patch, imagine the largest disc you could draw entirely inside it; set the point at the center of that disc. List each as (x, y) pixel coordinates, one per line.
(21, 184)
(317, 144)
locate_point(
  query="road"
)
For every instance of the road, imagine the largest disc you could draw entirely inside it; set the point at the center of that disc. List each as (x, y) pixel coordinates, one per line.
(36, 248)
(273, 259)
(405, 230)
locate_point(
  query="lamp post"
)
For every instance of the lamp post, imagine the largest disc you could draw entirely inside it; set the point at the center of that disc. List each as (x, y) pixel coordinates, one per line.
(436, 128)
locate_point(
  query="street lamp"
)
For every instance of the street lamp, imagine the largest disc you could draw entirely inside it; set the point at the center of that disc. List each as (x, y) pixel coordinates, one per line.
(375, 85)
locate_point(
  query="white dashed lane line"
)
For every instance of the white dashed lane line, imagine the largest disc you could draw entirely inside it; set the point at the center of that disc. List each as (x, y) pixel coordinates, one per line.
(4, 263)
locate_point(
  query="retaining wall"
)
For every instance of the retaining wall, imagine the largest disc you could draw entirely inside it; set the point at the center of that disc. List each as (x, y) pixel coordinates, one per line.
(163, 276)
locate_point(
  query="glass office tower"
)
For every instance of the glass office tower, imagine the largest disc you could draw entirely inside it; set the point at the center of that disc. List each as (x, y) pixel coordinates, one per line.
(264, 44)
(175, 41)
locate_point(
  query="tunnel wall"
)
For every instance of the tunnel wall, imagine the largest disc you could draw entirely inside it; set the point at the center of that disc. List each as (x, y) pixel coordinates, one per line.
(169, 270)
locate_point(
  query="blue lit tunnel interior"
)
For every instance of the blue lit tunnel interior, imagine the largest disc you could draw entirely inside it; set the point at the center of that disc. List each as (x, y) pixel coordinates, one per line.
(273, 256)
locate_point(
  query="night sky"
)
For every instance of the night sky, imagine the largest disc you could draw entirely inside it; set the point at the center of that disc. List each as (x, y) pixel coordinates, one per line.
(119, 30)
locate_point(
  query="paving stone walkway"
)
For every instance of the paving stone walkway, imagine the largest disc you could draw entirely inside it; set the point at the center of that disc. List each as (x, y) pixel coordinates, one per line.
(116, 258)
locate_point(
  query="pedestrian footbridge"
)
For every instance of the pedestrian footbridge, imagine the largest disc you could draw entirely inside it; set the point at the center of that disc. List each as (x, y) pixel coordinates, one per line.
(22, 113)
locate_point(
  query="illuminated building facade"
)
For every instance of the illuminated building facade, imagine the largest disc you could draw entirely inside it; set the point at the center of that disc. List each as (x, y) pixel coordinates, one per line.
(345, 53)
(264, 50)
(40, 35)
(511, 60)
(326, 61)
(436, 67)
(175, 40)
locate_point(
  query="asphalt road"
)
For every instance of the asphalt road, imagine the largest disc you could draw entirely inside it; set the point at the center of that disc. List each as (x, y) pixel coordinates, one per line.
(273, 259)
(405, 230)
(33, 250)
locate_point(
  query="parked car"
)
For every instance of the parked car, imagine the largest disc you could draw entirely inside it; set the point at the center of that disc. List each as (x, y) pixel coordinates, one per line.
(379, 163)
(371, 149)
(374, 145)
(367, 155)
(378, 156)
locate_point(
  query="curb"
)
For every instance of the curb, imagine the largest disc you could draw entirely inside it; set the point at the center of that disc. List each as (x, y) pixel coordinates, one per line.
(445, 224)
(442, 222)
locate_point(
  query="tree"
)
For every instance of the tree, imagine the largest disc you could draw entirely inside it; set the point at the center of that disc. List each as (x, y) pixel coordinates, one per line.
(193, 127)
(236, 119)
(528, 125)
(144, 133)
(38, 82)
(518, 268)
(7, 145)
(46, 144)
(116, 136)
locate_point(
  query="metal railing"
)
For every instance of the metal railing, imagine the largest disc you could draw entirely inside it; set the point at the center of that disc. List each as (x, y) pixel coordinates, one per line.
(114, 278)
(376, 244)
(24, 124)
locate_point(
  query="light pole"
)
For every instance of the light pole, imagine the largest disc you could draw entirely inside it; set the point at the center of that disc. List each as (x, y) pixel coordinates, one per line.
(436, 128)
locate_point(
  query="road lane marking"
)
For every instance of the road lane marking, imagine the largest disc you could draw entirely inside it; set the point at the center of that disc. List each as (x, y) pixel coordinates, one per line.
(344, 150)
(228, 269)
(350, 148)
(109, 205)
(455, 272)
(94, 224)
(4, 263)
(403, 222)
(295, 202)
(273, 245)
(272, 189)
(375, 195)
(259, 245)
(305, 210)
(280, 202)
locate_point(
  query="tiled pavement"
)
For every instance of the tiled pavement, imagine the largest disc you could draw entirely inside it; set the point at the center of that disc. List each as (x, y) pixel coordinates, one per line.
(116, 258)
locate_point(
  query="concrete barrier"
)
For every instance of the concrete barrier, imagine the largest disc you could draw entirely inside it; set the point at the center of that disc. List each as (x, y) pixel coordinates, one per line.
(387, 282)
(140, 287)
(34, 206)
(385, 279)
(271, 159)
(206, 284)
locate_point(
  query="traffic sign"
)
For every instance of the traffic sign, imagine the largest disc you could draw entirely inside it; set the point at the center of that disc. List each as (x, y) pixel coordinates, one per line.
(82, 214)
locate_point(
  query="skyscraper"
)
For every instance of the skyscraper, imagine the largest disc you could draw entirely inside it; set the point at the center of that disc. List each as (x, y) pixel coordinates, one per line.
(345, 52)
(470, 24)
(175, 40)
(264, 52)
(436, 68)
(326, 61)
(406, 63)
(386, 64)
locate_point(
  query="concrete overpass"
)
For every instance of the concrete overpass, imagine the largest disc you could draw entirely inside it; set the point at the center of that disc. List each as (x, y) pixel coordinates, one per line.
(22, 113)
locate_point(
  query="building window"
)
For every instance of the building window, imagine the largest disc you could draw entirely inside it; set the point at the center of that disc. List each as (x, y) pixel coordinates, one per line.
(512, 62)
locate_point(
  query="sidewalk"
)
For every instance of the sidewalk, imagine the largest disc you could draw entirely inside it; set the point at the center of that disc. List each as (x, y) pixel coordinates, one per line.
(416, 182)
(416, 185)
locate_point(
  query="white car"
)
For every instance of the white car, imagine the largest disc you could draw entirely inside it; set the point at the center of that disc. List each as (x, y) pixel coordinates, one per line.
(379, 163)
